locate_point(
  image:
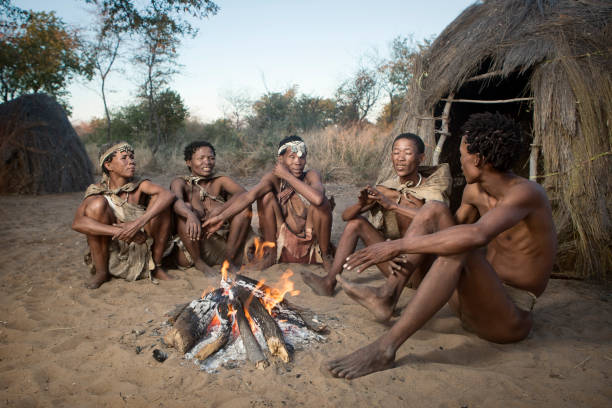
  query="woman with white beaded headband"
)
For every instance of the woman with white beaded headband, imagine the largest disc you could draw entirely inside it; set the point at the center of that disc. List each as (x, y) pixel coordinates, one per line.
(294, 212)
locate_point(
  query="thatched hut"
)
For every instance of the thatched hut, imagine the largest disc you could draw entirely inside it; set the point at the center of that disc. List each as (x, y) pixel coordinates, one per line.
(548, 64)
(39, 150)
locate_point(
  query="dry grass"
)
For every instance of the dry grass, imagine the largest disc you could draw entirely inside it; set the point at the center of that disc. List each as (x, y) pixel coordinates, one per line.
(350, 155)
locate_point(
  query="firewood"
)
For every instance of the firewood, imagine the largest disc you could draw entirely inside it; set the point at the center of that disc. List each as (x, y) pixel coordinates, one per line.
(190, 325)
(219, 335)
(175, 312)
(272, 333)
(305, 315)
(253, 351)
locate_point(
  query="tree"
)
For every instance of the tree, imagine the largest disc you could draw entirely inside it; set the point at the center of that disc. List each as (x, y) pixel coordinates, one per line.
(39, 53)
(104, 50)
(356, 96)
(161, 25)
(396, 74)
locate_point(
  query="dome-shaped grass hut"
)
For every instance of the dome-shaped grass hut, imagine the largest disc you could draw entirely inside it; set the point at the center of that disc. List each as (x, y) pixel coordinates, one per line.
(39, 150)
(546, 63)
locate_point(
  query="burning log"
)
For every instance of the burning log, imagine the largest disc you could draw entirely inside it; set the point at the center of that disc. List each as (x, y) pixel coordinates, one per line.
(254, 353)
(272, 333)
(173, 314)
(219, 334)
(191, 324)
(304, 315)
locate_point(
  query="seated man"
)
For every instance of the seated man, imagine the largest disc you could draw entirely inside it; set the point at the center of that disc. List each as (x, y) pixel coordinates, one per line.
(134, 213)
(490, 269)
(393, 204)
(201, 195)
(293, 210)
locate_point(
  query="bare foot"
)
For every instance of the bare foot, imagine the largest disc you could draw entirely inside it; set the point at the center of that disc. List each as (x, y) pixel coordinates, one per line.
(203, 267)
(364, 361)
(320, 285)
(328, 262)
(380, 307)
(97, 280)
(161, 274)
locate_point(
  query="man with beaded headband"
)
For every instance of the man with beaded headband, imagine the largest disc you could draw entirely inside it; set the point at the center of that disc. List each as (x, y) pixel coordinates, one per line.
(201, 195)
(494, 257)
(392, 205)
(126, 220)
(294, 212)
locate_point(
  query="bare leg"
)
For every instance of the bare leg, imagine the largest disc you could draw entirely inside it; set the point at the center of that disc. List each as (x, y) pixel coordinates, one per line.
(193, 247)
(159, 229)
(99, 244)
(270, 217)
(479, 298)
(239, 227)
(322, 223)
(356, 228)
(382, 301)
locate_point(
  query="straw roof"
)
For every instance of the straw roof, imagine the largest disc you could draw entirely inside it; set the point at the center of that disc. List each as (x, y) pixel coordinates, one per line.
(564, 49)
(39, 150)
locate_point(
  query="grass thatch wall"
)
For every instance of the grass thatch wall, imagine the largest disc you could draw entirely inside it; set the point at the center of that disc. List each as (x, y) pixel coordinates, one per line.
(39, 150)
(563, 50)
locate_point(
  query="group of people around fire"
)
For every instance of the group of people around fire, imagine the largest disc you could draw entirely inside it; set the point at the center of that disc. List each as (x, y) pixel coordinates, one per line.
(489, 260)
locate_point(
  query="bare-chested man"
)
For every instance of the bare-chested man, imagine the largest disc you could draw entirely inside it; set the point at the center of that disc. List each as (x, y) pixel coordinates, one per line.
(202, 195)
(126, 220)
(293, 210)
(393, 204)
(489, 269)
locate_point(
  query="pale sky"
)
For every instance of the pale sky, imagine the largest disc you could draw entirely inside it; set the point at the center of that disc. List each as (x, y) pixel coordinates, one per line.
(253, 46)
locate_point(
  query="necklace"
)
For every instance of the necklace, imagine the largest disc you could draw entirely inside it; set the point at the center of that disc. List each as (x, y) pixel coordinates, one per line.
(420, 179)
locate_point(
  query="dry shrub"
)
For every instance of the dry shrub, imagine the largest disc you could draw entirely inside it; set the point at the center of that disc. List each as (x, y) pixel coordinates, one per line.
(346, 154)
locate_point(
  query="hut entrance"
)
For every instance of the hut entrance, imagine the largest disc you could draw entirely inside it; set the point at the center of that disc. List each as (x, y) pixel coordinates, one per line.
(483, 93)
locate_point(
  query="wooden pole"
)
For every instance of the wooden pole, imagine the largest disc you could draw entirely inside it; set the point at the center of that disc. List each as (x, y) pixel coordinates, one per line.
(533, 160)
(489, 101)
(443, 129)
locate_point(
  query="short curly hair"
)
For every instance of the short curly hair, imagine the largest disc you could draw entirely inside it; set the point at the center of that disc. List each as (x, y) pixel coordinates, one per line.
(496, 137)
(191, 148)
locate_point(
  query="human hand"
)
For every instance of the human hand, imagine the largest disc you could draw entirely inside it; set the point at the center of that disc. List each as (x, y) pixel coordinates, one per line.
(127, 231)
(212, 225)
(375, 195)
(372, 255)
(363, 198)
(194, 227)
(281, 171)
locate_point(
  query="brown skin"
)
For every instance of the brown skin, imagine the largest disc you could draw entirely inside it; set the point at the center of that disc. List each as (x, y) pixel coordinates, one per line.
(515, 224)
(95, 219)
(190, 212)
(289, 167)
(406, 159)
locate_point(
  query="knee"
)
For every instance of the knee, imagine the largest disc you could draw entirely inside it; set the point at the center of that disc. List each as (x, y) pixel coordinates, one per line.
(355, 225)
(98, 209)
(268, 199)
(433, 211)
(244, 215)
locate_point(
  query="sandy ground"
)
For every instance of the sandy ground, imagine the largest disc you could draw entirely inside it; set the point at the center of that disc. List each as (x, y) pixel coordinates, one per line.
(63, 345)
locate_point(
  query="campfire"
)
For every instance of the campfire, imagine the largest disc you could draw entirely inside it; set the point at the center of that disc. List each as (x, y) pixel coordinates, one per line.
(243, 318)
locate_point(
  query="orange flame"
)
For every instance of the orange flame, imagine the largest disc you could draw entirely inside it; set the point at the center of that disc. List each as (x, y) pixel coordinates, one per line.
(224, 269)
(276, 293)
(214, 322)
(260, 248)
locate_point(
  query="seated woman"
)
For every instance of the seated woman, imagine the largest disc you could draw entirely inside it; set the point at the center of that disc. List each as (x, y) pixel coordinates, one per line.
(294, 213)
(126, 220)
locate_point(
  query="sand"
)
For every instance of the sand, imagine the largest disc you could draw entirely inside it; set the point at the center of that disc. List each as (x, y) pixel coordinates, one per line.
(62, 345)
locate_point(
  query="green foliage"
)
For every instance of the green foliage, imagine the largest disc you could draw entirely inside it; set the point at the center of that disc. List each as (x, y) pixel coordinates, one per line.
(39, 53)
(130, 122)
(356, 96)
